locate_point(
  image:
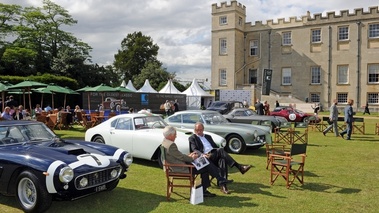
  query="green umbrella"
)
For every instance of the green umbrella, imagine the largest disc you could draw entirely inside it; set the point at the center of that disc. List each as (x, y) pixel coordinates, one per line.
(60, 89)
(27, 85)
(100, 88)
(43, 90)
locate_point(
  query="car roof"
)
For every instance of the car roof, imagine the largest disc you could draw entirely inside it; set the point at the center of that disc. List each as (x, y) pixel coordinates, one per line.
(196, 111)
(17, 122)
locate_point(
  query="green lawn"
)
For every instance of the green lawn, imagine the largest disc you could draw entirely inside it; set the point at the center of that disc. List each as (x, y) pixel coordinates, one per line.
(341, 176)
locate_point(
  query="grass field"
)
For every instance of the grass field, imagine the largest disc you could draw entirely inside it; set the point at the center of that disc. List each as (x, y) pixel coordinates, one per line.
(341, 176)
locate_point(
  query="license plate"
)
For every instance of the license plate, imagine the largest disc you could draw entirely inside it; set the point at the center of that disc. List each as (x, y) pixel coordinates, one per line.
(100, 188)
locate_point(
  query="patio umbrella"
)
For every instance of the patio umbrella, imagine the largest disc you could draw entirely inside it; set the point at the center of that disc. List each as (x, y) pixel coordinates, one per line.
(43, 90)
(3, 88)
(100, 88)
(60, 89)
(26, 86)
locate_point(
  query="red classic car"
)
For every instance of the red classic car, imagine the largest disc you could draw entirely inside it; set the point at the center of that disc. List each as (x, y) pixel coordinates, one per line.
(292, 115)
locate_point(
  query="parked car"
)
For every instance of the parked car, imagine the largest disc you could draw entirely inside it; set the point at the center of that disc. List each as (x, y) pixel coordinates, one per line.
(248, 116)
(225, 107)
(293, 115)
(37, 167)
(238, 136)
(113, 103)
(141, 134)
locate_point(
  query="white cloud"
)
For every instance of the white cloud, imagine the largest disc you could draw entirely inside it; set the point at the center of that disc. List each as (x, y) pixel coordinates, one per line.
(181, 28)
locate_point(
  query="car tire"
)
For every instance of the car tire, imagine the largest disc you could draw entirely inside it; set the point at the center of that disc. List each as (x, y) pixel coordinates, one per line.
(31, 193)
(305, 120)
(99, 139)
(235, 144)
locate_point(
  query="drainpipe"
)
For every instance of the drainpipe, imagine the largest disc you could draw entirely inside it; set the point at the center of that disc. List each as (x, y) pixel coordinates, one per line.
(269, 49)
(359, 63)
(330, 68)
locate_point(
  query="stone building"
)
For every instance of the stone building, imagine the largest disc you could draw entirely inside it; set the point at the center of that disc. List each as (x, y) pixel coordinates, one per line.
(315, 58)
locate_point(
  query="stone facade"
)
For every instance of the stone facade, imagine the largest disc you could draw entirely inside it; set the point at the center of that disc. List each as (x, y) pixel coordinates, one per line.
(318, 58)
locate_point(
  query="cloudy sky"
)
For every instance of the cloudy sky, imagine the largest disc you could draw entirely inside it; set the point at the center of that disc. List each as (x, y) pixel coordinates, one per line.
(181, 28)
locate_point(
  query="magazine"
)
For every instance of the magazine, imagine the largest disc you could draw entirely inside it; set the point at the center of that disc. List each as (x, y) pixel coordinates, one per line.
(200, 162)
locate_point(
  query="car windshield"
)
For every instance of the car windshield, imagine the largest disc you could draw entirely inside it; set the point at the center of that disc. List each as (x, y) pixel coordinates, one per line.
(149, 122)
(218, 104)
(214, 118)
(25, 133)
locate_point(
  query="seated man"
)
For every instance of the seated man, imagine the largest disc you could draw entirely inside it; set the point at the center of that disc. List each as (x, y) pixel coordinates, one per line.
(203, 144)
(174, 156)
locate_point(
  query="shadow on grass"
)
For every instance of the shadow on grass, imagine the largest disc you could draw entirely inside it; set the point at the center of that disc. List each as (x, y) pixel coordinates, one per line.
(328, 188)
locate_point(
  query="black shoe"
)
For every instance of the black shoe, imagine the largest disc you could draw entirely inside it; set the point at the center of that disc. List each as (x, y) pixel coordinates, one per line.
(224, 182)
(341, 135)
(244, 168)
(348, 139)
(224, 189)
(324, 133)
(208, 194)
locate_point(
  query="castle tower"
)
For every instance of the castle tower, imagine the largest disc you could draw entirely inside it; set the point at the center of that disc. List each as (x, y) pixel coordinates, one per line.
(228, 45)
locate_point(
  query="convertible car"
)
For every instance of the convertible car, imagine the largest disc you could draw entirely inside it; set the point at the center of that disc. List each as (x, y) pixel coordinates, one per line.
(141, 134)
(237, 136)
(38, 167)
(248, 116)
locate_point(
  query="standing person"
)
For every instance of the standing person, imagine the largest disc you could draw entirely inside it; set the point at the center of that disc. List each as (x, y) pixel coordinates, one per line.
(266, 107)
(176, 105)
(277, 103)
(174, 156)
(316, 109)
(167, 107)
(333, 117)
(259, 107)
(366, 109)
(203, 144)
(348, 119)
(244, 103)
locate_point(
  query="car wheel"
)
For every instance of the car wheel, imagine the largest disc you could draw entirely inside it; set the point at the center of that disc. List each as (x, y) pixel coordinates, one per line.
(235, 144)
(99, 139)
(31, 194)
(112, 185)
(118, 108)
(306, 119)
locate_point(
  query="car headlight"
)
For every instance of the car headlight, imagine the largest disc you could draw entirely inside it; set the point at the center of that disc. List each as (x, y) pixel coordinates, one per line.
(83, 182)
(128, 159)
(223, 142)
(66, 174)
(255, 133)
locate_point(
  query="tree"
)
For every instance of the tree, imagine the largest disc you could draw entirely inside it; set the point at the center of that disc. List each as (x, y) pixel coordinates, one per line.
(156, 75)
(136, 50)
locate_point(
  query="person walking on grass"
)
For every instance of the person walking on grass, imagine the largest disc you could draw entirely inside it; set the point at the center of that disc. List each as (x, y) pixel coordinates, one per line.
(348, 119)
(333, 118)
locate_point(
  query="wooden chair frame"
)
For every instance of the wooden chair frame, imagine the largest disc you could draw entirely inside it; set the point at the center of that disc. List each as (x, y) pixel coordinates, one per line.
(287, 167)
(171, 176)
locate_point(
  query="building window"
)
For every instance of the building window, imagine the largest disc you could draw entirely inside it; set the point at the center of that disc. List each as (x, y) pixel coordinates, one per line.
(223, 48)
(373, 31)
(223, 20)
(373, 73)
(286, 76)
(222, 77)
(315, 75)
(253, 47)
(373, 98)
(316, 36)
(287, 40)
(253, 76)
(315, 97)
(342, 98)
(343, 74)
(240, 21)
(343, 33)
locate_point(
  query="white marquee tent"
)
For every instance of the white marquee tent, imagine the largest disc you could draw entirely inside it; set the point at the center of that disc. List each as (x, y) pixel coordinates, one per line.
(147, 87)
(194, 94)
(130, 86)
(169, 88)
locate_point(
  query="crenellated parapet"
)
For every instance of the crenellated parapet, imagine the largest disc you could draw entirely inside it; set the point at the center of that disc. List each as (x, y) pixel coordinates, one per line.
(224, 7)
(330, 17)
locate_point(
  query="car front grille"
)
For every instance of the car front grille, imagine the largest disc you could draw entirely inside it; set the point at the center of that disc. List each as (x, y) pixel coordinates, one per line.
(97, 178)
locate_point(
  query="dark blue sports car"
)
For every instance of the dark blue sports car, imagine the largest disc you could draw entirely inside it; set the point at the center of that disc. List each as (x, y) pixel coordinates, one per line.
(38, 167)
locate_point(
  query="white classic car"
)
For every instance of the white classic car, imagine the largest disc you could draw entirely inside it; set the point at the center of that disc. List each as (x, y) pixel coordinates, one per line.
(141, 135)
